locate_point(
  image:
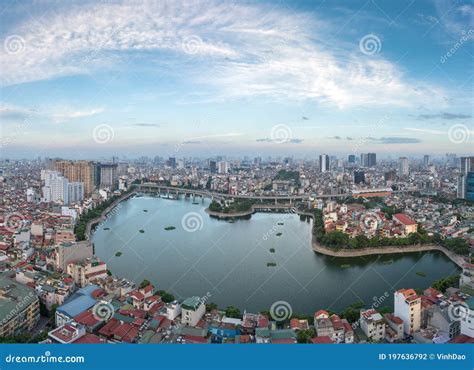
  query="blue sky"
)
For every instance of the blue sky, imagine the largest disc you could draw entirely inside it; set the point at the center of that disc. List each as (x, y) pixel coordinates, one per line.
(203, 78)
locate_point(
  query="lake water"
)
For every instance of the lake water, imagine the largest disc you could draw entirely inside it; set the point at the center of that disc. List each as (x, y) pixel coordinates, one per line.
(228, 261)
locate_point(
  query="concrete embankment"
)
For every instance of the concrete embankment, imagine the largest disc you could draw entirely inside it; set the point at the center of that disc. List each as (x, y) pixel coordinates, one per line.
(347, 253)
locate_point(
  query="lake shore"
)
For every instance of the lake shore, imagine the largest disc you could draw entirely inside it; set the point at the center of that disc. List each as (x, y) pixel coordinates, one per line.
(318, 248)
(347, 253)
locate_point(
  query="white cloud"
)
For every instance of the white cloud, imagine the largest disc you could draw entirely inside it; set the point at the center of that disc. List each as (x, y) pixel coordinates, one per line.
(238, 50)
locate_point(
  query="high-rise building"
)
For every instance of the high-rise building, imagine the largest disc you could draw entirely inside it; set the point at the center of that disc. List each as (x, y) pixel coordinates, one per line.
(108, 175)
(426, 160)
(372, 159)
(351, 158)
(359, 177)
(403, 169)
(213, 166)
(222, 167)
(364, 160)
(75, 192)
(408, 308)
(451, 159)
(323, 163)
(78, 171)
(55, 187)
(466, 179)
(172, 162)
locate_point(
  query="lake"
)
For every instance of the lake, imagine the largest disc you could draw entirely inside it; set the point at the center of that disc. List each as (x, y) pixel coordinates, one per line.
(200, 255)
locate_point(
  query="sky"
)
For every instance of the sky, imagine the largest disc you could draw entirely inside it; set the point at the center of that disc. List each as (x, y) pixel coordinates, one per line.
(91, 79)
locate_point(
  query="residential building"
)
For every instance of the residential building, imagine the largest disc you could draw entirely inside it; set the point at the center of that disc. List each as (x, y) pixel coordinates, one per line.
(394, 328)
(408, 307)
(19, 307)
(79, 171)
(403, 167)
(467, 318)
(192, 309)
(84, 271)
(108, 175)
(372, 324)
(323, 163)
(66, 253)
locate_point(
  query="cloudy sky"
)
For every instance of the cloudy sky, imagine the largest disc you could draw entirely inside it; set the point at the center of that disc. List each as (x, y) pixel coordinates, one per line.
(91, 79)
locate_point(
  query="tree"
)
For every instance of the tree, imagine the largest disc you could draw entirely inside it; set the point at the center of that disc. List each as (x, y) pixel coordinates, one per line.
(304, 336)
(232, 312)
(144, 284)
(210, 307)
(165, 296)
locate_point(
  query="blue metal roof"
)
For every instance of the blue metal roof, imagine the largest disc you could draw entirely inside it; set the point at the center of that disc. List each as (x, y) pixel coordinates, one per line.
(76, 306)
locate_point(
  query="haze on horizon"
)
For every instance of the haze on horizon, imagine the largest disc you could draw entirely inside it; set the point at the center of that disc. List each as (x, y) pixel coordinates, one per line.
(200, 78)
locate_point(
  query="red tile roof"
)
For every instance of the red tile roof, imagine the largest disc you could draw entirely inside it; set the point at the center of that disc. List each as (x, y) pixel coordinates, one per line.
(404, 219)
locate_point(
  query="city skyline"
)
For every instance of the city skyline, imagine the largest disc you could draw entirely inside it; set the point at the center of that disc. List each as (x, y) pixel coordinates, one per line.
(297, 79)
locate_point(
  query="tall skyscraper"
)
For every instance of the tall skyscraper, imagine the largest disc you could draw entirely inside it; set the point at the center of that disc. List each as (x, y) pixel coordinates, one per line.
(364, 160)
(403, 169)
(323, 163)
(78, 171)
(372, 159)
(426, 160)
(222, 167)
(55, 187)
(466, 178)
(172, 162)
(213, 166)
(108, 175)
(75, 192)
(351, 158)
(359, 177)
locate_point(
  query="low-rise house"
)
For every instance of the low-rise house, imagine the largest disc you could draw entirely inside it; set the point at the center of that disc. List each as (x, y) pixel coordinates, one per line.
(372, 324)
(67, 333)
(394, 328)
(85, 271)
(84, 299)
